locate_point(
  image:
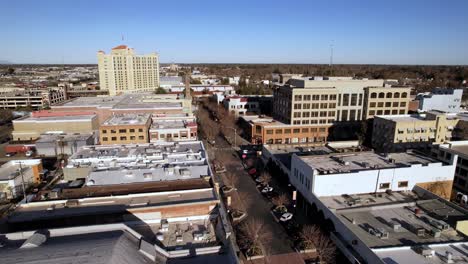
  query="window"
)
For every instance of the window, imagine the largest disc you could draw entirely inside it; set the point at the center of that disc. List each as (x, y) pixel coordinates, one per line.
(333, 97)
(395, 104)
(389, 95)
(305, 130)
(140, 130)
(305, 114)
(381, 95)
(324, 105)
(297, 106)
(279, 131)
(132, 137)
(298, 98)
(122, 130)
(380, 104)
(296, 130)
(113, 131)
(373, 95)
(132, 130)
(372, 104)
(123, 138)
(323, 113)
(287, 131)
(371, 112)
(324, 97)
(322, 129)
(269, 131)
(297, 114)
(104, 131)
(396, 95)
(104, 139)
(345, 99)
(141, 137)
(403, 104)
(384, 185)
(307, 97)
(388, 104)
(404, 95)
(258, 129)
(305, 122)
(114, 138)
(403, 184)
(306, 106)
(354, 99)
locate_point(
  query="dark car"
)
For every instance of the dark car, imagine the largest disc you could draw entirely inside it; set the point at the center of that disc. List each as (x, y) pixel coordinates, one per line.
(10, 154)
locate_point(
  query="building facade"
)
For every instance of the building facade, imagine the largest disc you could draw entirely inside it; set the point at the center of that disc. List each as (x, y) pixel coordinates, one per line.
(33, 98)
(386, 101)
(30, 128)
(400, 132)
(125, 129)
(445, 152)
(14, 172)
(447, 100)
(122, 71)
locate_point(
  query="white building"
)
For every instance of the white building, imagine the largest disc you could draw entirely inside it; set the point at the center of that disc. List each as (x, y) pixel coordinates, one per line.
(122, 71)
(34, 98)
(173, 128)
(239, 106)
(447, 100)
(445, 152)
(375, 206)
(366, 172)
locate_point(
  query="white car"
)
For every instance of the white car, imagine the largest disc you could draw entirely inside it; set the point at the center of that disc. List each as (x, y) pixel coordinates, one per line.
(286, 217)
(29, 153)
(267, 189)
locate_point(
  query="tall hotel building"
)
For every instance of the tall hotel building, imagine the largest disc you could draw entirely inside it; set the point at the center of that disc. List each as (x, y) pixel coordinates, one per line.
(122, 71)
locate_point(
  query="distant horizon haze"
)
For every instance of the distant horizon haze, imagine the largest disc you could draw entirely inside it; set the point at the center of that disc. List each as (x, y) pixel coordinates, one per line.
(367, 32)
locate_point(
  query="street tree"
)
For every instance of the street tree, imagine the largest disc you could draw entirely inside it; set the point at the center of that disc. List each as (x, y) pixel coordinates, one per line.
(312, 237)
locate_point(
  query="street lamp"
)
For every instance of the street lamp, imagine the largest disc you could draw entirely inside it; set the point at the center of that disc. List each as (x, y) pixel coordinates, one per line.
(22, 181)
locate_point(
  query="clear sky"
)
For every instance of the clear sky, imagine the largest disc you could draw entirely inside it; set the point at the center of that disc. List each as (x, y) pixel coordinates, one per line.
(238, 31)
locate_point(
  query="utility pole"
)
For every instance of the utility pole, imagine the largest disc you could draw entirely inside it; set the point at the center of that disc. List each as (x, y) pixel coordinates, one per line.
(22, 182)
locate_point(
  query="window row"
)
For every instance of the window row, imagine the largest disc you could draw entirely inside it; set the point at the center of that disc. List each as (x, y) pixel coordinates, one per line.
(123, 138)
(309, 97)
(387, 104)
(113, 131)
(388, 95)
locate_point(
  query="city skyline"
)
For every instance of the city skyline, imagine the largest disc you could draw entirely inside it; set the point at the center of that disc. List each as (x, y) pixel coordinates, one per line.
(398, 32)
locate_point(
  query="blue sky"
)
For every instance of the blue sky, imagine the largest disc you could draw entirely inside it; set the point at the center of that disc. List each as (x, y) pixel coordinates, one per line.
(254, 31)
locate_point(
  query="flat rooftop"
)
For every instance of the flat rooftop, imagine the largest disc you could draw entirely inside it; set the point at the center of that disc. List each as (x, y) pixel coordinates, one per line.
(407, 218)
(128, 101)
(91, 206)
(173, 124)
(358, 161)
(125, 176)
(458, 250)
(75, 118)
(127, 119)
(136, 151)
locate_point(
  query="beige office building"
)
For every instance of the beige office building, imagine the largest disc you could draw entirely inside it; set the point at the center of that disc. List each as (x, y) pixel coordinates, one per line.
(386, 101)
(122, 71)
(399, 132)
(125, 129)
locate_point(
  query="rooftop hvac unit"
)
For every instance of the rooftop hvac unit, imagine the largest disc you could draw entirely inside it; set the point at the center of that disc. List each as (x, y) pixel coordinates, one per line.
(425, 251)
(435, 232)
(394, 225)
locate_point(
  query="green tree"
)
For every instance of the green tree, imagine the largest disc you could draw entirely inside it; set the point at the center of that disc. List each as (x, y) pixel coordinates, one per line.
(160, 90)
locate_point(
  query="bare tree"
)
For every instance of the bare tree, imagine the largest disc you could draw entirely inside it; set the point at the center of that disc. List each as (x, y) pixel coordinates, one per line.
(265, 178)
(252, 229)
(439, 188)
(312, 236)
(281, 200)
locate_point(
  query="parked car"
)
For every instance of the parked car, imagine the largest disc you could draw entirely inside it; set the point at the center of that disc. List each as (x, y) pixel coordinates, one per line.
(267, 189)
(286, 217)
(10, 154)
(29, 153)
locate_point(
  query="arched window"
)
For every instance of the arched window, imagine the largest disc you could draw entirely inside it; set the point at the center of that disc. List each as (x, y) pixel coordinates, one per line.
(381, 95)
(396, 95)
(389, 95)
(373, 95)
(403, 95)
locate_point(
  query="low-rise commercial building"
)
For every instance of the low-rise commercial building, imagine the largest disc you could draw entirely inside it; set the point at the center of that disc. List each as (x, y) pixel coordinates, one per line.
(125, 129)
(52, 145)
(105, 107)
(112, 164)
(173, 130)
(446, 100)
(401, 132)
(15, 173)
(265, 130)
(30, 128)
